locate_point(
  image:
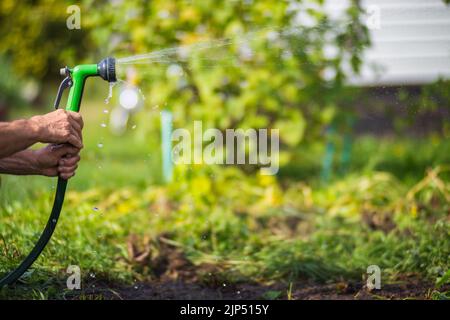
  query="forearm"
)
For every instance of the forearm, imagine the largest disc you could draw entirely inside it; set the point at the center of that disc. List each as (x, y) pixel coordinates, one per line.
(16, 136)
(20, 163)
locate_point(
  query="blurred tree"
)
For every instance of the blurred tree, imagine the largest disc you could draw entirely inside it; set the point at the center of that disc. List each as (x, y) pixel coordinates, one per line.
(285, 69)
(9, 90)
(432, 100)
(36, 41)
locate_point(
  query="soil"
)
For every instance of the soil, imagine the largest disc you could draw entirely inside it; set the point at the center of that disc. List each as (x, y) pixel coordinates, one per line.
(175, 277)
(180, 290)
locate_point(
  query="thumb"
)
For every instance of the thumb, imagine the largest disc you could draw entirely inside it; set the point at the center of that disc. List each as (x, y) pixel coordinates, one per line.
(64, 149)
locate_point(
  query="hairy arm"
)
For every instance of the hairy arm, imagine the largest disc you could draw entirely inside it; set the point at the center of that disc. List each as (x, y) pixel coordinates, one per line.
(51, 161)
(20, 163)
(59, 127)
(17, 135)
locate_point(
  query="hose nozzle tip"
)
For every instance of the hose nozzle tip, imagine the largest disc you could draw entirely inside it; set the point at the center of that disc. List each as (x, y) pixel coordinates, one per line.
(107, 69)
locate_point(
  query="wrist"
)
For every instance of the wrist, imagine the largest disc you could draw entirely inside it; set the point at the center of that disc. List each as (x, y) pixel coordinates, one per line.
(32, 159)
(21, 163)
(34, 129)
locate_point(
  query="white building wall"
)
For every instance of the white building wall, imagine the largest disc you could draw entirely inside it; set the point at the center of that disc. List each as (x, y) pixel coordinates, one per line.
(411, 44)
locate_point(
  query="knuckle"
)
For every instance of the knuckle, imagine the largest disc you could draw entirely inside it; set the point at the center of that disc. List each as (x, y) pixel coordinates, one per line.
(66, 133)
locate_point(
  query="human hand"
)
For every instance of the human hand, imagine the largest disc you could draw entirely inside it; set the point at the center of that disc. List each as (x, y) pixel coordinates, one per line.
(58, 127)
(53, 160)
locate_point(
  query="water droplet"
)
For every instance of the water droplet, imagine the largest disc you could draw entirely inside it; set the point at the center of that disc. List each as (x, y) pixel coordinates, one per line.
(100, 145)
(110, 93)
(174, 70)
(142, 95)
(103, 125)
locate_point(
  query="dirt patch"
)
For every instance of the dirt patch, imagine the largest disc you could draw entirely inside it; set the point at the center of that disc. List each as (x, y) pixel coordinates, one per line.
(175, 277)
(161, 258)
(183, 290)
(346, 291)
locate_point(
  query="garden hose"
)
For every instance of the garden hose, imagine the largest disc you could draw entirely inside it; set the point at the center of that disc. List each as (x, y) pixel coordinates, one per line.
(43, 239)
(75, 80)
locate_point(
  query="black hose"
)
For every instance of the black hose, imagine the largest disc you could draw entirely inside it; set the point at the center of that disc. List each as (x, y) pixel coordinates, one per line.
(43, 239)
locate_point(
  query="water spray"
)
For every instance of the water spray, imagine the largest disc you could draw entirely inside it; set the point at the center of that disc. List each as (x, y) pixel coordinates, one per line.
(75, 79)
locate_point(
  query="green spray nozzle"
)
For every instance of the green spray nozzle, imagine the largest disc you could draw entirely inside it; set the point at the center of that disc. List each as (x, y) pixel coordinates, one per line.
(106, 69)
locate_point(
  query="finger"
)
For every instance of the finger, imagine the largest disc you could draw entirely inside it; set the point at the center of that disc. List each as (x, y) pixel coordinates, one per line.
(67, 176)
(65, 150)
(50, 172)
(67, 169)
(75, 141)
(77, 117)
(68, 162)
(72, 151)
(75, 126)
(76, 133)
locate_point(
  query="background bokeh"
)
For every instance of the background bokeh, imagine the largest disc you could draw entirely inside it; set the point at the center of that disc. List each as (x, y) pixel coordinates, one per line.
(364, 167)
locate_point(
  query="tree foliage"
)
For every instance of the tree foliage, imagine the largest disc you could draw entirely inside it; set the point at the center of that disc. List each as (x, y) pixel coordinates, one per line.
(290, 81)
(36, 39)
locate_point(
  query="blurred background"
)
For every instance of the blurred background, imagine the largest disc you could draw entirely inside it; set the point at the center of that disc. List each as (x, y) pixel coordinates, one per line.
(358, 89)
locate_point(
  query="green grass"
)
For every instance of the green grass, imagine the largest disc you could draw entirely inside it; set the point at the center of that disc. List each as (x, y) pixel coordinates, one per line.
(391, 209)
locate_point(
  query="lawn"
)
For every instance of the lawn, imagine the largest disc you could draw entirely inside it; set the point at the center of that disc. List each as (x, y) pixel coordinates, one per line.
(219, 232)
